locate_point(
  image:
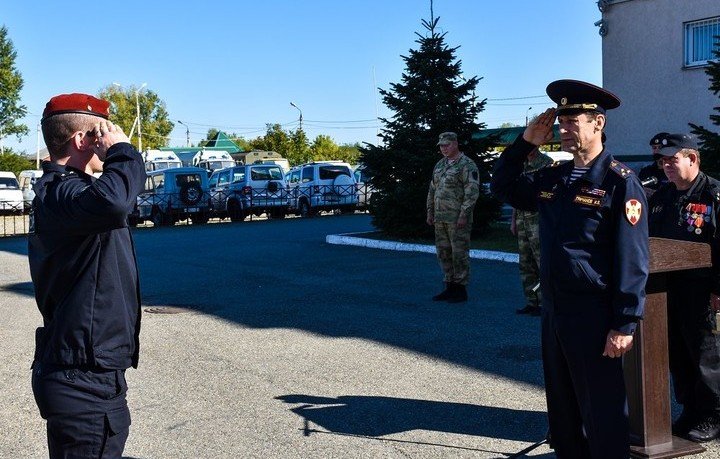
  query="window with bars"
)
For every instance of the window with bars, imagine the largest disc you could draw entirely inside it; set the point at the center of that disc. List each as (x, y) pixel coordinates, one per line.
(701, 38)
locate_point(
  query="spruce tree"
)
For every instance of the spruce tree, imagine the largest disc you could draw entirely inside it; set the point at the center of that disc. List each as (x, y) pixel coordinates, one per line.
(432, 98)
(709, 140)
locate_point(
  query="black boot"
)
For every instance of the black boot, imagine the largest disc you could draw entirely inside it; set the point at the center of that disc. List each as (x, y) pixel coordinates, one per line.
(706, 430)
(445, 294)
(459, 294)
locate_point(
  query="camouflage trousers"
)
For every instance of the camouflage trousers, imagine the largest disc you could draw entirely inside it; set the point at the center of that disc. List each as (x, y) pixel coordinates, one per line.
(528, 235)
(453, 251)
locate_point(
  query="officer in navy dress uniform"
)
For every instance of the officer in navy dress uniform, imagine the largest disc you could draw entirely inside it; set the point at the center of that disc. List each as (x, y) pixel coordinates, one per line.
(594, 265)
(82, 263)
(686, 208)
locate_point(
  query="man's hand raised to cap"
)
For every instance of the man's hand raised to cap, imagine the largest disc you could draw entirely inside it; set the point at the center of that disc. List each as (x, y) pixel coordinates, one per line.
(106, 135)
(539, 130)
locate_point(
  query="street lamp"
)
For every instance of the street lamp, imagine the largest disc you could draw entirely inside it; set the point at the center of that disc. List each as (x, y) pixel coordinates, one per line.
(137, 116)
(187, 132)
(298, 109)
(527, 112)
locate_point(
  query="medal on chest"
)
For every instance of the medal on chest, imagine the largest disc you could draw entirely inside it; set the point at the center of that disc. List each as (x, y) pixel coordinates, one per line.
(695, 215)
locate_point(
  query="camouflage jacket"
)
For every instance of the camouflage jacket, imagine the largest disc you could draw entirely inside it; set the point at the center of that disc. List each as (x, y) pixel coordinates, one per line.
(454, 188)
(541, 160)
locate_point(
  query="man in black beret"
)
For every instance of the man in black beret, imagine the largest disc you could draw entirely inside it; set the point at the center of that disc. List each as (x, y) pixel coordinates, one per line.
(686, 208)
(82, 263)
(652, 175)
(593, 268)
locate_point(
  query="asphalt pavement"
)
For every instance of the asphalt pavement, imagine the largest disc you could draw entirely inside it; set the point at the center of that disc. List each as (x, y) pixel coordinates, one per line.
(259, 339)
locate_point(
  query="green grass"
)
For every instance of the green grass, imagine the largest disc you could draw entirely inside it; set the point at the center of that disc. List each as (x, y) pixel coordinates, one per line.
(498, 237)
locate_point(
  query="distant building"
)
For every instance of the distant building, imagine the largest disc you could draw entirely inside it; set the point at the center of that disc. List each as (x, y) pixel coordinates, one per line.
(654, 55)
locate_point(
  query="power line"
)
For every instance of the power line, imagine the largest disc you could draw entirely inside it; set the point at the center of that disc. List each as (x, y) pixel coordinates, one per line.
(519, 98)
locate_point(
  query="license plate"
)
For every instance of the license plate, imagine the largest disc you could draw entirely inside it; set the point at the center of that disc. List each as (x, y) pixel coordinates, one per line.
(192, 210)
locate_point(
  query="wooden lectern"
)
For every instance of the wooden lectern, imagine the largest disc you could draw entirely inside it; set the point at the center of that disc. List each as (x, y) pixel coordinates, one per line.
(646, 365)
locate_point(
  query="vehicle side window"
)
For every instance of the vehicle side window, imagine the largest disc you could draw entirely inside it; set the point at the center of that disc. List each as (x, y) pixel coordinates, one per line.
(155, 182)
(358, 176)
(224, 178)
(295, 176)
(307, 174)
(238, 176)
(213, 181)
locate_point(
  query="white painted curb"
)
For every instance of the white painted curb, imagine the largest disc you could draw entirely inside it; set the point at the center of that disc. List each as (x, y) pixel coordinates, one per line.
(352, 239)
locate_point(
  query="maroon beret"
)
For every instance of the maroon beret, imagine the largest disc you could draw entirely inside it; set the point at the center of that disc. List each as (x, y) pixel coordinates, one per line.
(77, 103)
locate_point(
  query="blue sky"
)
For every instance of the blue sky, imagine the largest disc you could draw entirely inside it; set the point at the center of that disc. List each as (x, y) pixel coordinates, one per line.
(236, 65)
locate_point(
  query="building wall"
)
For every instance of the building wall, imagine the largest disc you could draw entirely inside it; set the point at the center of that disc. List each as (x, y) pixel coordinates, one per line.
(643, 63)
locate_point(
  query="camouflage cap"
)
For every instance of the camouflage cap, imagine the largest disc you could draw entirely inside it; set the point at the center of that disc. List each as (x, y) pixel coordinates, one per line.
(447, 137)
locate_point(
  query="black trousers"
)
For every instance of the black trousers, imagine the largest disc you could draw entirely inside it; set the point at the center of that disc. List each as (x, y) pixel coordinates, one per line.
(586, 399)
(86, 410)
(694, 348)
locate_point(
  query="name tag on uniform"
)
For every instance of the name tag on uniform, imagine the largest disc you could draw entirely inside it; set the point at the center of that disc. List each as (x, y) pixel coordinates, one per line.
(593, 191)
(586, 200)
(547, 195)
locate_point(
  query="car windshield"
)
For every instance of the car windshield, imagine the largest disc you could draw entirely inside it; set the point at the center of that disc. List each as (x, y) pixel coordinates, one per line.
(330, 172)
(266, 173)
(9, 183)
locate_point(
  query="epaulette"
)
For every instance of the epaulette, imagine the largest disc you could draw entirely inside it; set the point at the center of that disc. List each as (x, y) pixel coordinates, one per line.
(621, 169)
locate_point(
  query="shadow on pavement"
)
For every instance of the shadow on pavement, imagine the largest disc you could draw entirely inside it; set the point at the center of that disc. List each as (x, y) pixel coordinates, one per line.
(377, 416)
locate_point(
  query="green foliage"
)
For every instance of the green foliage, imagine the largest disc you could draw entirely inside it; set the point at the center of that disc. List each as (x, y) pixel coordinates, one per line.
(11, 83)
(15, 163)
(156, 124)
(710, 140)
(432, 98)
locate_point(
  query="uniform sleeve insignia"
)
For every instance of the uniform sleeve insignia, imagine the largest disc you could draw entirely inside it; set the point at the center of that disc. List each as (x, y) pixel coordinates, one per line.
(633, 211)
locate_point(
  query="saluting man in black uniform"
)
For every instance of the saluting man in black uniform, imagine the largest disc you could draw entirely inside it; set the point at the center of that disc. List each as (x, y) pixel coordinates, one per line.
(594, 265)
(687, 209)
(82, 263)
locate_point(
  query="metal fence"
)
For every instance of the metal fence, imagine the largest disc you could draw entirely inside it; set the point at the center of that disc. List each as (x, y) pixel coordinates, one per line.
(165, 209)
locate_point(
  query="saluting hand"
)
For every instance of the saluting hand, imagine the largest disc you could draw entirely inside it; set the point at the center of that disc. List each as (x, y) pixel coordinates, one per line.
(106, 135)
(539, 130)
(617, 344)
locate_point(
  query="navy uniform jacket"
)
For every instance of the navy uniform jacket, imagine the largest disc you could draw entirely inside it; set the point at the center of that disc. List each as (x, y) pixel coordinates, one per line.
(82, 262)
(690, 215)
(592, 256)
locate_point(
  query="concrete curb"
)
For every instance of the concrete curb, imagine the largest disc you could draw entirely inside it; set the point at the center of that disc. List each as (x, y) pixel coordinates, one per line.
(356, 240)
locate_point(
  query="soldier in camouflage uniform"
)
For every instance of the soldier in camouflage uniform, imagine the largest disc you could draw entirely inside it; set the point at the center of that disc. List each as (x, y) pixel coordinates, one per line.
(525, 227)
(453, 191)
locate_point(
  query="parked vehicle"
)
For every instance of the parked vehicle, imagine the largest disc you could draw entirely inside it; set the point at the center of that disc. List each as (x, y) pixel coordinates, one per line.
(212, 160)
(322, 186)
(11, 198)
(156, 160)
(262, 157)
(239, 191)
(365, 191)
(172, 195)
(27, 179)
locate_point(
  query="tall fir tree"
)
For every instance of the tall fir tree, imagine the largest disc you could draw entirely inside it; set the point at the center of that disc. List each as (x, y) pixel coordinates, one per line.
(709, 140)
(11, 83)
(432, 98)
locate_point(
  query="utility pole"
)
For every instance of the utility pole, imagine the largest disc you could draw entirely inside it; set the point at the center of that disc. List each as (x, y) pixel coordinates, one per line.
(298, 109)
(187, 133)
(139, 123)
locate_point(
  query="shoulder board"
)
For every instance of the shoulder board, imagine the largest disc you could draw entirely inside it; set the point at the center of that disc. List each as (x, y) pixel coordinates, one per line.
(620, 169)
(714, 189)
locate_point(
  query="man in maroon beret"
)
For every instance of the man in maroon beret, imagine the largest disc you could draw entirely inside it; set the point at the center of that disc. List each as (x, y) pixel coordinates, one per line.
(83, 266)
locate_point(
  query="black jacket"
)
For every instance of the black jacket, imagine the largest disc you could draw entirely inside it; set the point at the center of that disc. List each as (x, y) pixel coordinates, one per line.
(593, 233)
(693, 216)
(82, 262)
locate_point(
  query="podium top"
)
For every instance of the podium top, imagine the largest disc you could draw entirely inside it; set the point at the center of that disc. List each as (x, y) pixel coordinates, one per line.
(674, 255)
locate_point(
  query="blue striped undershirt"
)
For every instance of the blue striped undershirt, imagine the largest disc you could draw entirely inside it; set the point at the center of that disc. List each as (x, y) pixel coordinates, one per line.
(576, 173)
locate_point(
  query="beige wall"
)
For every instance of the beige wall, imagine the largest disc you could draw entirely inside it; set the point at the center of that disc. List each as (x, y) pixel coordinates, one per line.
(643, 57)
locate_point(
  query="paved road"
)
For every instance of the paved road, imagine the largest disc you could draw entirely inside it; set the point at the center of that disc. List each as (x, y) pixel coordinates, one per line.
(289, 347)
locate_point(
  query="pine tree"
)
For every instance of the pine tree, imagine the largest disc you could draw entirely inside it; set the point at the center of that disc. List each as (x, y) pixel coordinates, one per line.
(432, 98)
(709, 140)
(11, 83)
